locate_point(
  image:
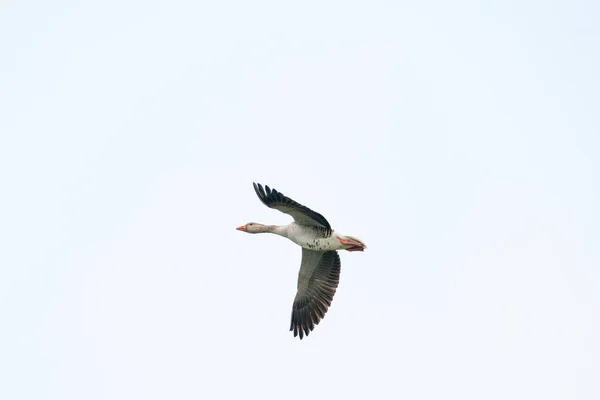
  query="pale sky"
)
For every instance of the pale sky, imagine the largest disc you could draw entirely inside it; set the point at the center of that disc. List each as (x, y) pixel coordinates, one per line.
(459, 140)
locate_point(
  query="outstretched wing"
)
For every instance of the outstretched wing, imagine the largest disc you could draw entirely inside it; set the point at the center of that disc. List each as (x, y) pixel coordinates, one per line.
(301, 214)
(317, 282)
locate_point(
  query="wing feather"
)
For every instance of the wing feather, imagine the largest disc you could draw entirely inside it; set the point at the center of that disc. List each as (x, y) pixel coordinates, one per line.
(301, 214)
(317, 282)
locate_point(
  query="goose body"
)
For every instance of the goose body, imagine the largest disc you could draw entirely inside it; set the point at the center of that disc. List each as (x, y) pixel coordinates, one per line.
(314, 239)
(320, 266)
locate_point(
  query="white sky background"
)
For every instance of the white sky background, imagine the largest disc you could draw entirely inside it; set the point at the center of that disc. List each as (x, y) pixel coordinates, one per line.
(459, 140)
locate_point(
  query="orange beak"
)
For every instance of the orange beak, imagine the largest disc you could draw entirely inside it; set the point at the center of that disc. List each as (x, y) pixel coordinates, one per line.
(241, 228)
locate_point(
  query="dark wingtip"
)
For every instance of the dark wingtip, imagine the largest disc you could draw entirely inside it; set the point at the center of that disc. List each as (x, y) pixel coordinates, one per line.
(260, 192)
(300, 330)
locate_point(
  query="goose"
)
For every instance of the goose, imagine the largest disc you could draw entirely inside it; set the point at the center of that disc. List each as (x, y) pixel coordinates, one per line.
(320, 266)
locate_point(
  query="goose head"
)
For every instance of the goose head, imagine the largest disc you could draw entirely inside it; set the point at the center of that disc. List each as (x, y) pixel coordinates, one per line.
(253, 227)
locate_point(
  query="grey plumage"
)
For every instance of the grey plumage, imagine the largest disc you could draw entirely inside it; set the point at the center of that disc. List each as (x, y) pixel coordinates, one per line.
(317, 282)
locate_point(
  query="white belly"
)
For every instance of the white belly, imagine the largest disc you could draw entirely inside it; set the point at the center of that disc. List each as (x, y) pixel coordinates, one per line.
(307, 239)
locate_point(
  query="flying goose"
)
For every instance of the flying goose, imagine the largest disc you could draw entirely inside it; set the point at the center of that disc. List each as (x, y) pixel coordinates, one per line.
(320, 267)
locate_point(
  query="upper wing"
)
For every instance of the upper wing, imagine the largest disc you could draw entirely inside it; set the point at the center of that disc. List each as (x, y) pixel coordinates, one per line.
(301, 214)
(317, 281)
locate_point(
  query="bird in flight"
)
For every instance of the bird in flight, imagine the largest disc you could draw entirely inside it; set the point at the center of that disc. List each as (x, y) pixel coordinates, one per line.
(320, 266)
